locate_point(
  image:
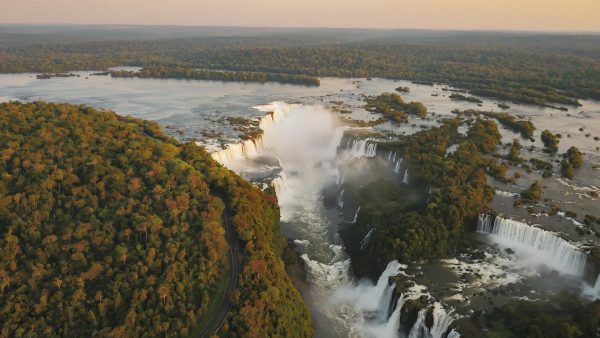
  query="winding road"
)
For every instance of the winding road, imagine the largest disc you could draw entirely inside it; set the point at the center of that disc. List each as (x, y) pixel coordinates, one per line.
(224, 306)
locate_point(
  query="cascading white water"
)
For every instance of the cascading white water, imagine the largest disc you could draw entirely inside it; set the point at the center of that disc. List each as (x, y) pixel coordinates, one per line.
(279, 183)
(592, 292)
(339, 178)
(365, 241)
(406, 177)
(397, 167)
(368, 300)
(340, 199)
(441, 322)
(534, 244)
(389, 328)
(251, 148)
(596, 291)
(357, 148)
(419, 329)
(246, 149)
(355, 215)
(305, 141)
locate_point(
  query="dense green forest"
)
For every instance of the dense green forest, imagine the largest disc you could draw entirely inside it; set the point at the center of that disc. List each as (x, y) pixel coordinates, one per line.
(112, 229)
(537, 69)
(205, 74)
(428, 217)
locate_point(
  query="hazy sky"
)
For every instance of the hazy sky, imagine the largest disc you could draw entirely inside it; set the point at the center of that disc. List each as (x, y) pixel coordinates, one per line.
(555, 15)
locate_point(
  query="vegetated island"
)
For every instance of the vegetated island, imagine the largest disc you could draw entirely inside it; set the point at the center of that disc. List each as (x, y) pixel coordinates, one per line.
(218, 75)
(111, 228)
(456, 96)
(393, 107)
(524, 127)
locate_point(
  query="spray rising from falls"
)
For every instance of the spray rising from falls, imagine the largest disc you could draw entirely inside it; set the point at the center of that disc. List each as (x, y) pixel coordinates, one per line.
(538, 245)
(374, 301)
(378, 303)
(592, 292)
(304, 141)
(279, 183)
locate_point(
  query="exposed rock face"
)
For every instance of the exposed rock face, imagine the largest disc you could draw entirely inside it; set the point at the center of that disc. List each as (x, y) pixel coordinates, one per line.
(410, 312)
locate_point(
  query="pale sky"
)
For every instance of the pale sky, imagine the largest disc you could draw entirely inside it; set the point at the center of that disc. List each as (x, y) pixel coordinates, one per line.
(536, 15)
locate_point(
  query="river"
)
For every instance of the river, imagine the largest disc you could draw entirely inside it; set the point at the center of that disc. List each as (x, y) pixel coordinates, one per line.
(302, 150)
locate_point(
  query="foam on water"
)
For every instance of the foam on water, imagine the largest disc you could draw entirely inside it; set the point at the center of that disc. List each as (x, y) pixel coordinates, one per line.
(533, 244)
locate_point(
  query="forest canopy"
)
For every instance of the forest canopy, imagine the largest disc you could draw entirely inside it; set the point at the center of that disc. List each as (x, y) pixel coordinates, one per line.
(112, 229)
(448, 192)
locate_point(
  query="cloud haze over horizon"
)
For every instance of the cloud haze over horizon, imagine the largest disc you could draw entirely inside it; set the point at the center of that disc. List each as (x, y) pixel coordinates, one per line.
(536, 15)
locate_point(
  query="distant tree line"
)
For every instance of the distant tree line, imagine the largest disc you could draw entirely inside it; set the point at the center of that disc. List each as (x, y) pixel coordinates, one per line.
(205, 74)
(534, 72)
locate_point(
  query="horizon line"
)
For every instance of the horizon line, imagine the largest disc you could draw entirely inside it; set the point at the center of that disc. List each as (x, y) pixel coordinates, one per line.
(464, 30)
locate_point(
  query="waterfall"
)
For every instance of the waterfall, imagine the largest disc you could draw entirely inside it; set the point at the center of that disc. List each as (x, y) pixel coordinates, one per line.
(355, 215)
(441, 322)
(279, 184)
(592, 292)
(357, 148)
(397, 167)
(390, 326)
(541, 246)
(368, 297)
(250, 148)
(376, 302)
(237, 151)
(365, 241)
(597, 286)
(419, 329)
(406, 177)
(340, 199)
